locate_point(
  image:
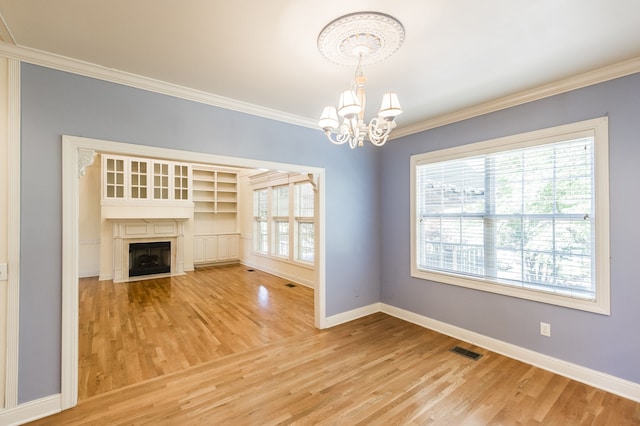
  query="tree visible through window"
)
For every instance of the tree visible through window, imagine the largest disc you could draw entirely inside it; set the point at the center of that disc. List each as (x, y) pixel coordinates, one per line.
(522, 215)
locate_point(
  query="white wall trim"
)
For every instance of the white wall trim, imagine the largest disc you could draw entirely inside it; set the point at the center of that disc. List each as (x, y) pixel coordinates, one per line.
(50, 60)
(281, 274)
(74, 66)
(31, 411)
(70, 272)
(70, 212)
(611, 72)
(13, 237)
(353, 314)
(597, 379)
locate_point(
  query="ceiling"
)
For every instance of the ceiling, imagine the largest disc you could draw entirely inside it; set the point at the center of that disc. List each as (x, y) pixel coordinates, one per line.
(457, 53)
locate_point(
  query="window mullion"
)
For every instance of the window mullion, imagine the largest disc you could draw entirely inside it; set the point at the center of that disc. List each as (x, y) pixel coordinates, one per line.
(489, 222)
(522, 215)
(292, 221)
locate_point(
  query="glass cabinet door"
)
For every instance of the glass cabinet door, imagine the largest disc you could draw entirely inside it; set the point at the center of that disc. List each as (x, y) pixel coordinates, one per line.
(160, 181)
(114, 178)
(138, 177)
(181, 182)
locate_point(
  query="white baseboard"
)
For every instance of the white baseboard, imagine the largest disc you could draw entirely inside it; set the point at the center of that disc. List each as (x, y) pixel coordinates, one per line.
(280, 274)
(89, 274)
(597, 379)
(31, 410)
(343, 317)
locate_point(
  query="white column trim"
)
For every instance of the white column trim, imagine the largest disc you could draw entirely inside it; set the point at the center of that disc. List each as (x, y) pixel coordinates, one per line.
(71, 156)
(13, 237)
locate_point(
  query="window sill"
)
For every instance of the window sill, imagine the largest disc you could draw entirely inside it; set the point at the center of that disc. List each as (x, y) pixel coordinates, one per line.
(600, 306)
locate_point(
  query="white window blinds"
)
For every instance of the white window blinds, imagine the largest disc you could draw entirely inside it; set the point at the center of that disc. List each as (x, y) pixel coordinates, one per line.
(518, 213)
(523, 217)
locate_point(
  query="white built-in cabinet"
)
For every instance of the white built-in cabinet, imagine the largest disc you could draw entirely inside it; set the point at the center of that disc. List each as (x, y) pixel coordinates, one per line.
(216, 248)
(215, 218)
(133, 186)
(137, 179)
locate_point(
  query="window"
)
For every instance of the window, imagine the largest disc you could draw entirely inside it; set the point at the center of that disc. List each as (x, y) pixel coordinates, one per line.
(525, 216)
(304, 218)
(280, 214)
(284, 216)
(260, 214)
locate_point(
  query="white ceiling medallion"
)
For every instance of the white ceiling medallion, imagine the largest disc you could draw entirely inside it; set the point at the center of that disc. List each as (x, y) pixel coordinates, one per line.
(360, 39)
(372, 35)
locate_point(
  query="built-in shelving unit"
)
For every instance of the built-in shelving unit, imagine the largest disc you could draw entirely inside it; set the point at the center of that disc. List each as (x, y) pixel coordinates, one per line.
(215, 196)
(133, 186)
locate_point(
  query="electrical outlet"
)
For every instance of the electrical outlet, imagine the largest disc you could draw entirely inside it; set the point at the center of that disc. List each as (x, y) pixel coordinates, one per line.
(545, 329)
(3, 272)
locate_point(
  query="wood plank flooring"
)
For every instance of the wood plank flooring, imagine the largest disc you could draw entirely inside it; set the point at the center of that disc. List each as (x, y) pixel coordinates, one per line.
(132, 332)
(258, 360)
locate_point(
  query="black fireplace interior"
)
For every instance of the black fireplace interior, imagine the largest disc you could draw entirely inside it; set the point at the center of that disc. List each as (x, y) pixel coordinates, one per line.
(149, 258)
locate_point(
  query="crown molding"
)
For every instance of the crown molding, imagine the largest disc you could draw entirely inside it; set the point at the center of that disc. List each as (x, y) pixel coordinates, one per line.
(5, 32)
(50, 60)
(611, 72)
(62, 63)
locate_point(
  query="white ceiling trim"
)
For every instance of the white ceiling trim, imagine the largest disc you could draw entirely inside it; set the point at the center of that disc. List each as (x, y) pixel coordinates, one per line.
(611, 72)
(5, 33)
(88, 69)
(50, 60)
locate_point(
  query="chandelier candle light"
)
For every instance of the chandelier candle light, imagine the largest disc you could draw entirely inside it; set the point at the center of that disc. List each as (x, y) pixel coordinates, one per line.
(360, 39)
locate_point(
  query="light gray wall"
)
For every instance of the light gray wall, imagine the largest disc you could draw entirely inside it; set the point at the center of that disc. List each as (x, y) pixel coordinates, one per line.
(56, 103)
(610, 344)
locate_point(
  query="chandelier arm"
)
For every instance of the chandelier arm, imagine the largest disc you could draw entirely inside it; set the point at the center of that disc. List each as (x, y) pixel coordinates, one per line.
(353, 143)
(340, 138)
(378, 134)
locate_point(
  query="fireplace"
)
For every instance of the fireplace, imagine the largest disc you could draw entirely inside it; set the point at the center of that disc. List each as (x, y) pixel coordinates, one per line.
(147, 247)
(149, 258)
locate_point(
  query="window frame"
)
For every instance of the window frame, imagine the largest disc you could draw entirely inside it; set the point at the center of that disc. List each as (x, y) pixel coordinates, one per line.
(300, 220)
(598, 128)
(260, 223)
(270, 186)
(280, 213)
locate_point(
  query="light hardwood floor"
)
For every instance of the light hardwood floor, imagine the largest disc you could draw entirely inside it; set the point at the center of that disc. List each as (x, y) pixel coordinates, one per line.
(224, 346)
(132, 332)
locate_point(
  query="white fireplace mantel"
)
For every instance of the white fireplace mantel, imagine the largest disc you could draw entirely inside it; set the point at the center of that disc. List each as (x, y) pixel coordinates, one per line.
(128, 231)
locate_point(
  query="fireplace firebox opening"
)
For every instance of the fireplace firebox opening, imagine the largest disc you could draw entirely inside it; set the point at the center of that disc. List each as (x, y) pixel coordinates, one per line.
(149, 258)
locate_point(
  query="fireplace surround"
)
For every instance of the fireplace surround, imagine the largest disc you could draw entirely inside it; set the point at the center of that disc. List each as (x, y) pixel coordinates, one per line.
(159, 244)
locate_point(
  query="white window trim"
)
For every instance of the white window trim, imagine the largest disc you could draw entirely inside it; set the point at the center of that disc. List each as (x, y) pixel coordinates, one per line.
(599, 129)
(258, 220)
(269, 184)
(297, 220)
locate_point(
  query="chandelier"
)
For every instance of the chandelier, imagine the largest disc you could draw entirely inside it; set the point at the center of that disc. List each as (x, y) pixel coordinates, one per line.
(360, 39)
